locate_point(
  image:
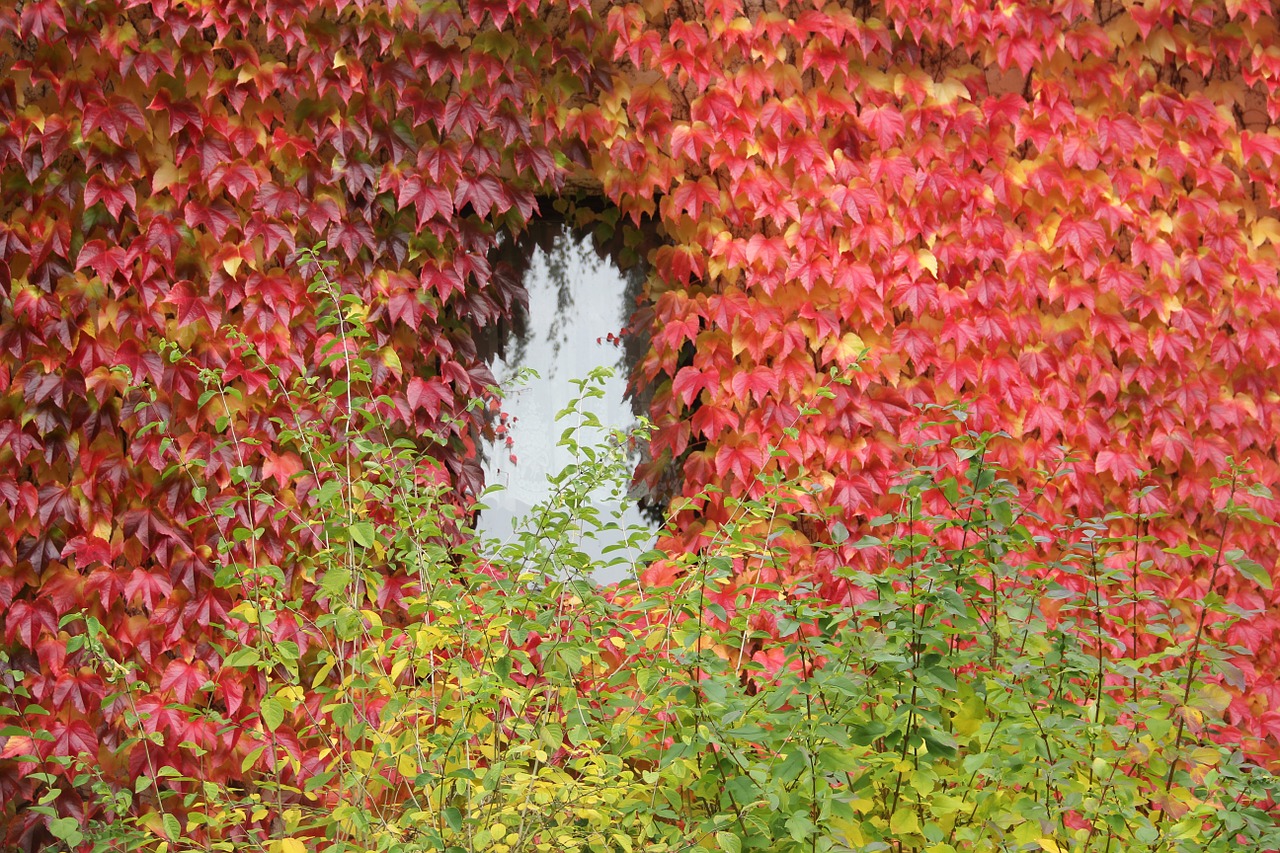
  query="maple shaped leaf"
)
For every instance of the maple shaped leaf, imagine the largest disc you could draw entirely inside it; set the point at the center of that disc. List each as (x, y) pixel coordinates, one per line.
(428, 395)
(682, 263)
(217, 218)
(466, 113)
(885, 124)
(281, 467)
(711, 420)
(163, 236)
(678, 330)
(691, 140)
(407, 306)
(484, 193)
(26, 621)
(690, 381)
(193, 306)
(63, 588)
(859, 202)
(238, 178)
(275, 236)
(114, 116)
(690, 196)
(147, 587)
(1264, 146)
(743, 459)
(918, 294)
(351, 237)
(210, 608)
(429, 199)
(184, 679)
(854, 494)
(826, 57)
(809, 271)
(758, 382)
(275, 200)
(534, 160)
(74, 738)
(1122, 465)
(106, 261)
(40, 19)
(56, 500)
(87, 551)
(77, 690)
(1080, 235)
(114, 197)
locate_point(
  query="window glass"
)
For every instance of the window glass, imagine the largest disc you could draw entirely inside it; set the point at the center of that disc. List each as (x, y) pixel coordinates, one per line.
(578, 304)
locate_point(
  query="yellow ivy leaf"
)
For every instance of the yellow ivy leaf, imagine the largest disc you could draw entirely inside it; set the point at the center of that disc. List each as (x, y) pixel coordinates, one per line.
(927, 261)
(166, 175)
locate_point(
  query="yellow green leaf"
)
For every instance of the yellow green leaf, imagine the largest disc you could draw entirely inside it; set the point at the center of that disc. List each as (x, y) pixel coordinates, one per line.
(903, 822)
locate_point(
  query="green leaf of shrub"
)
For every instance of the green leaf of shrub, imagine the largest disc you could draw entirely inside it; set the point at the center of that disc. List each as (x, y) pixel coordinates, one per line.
(363, 534)
(272, 713)
(728, 842)
(1253, 571)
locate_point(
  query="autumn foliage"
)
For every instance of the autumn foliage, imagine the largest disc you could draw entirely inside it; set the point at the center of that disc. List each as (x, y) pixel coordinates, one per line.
(1062, 215)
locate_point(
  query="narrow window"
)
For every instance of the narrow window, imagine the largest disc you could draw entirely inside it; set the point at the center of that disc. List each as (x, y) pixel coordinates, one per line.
(578, 306)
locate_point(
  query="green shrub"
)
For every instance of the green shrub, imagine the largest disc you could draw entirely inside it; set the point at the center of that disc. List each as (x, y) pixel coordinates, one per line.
(964, 697)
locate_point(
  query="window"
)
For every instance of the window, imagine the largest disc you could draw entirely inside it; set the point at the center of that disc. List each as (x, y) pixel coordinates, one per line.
(578, 305)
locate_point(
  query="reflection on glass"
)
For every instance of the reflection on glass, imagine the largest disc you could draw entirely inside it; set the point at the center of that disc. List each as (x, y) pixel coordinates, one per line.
(577, 307)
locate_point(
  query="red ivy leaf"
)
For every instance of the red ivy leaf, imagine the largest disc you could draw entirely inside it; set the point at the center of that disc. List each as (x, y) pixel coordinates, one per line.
(281, 467)
(114, 197)
(428, 198)
(39, 19)
(75, 737)
(428, 395)
(484, 193)
(743, 459)
(115, 117)
(25, 621)
(885, 124)
(276, 201)
(184, 679)
(758, 382)
(690, 381)
(147, 587)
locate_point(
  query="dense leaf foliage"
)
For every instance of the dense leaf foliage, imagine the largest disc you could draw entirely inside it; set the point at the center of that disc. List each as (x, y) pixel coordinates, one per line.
(161, 166)
(1064, 213)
